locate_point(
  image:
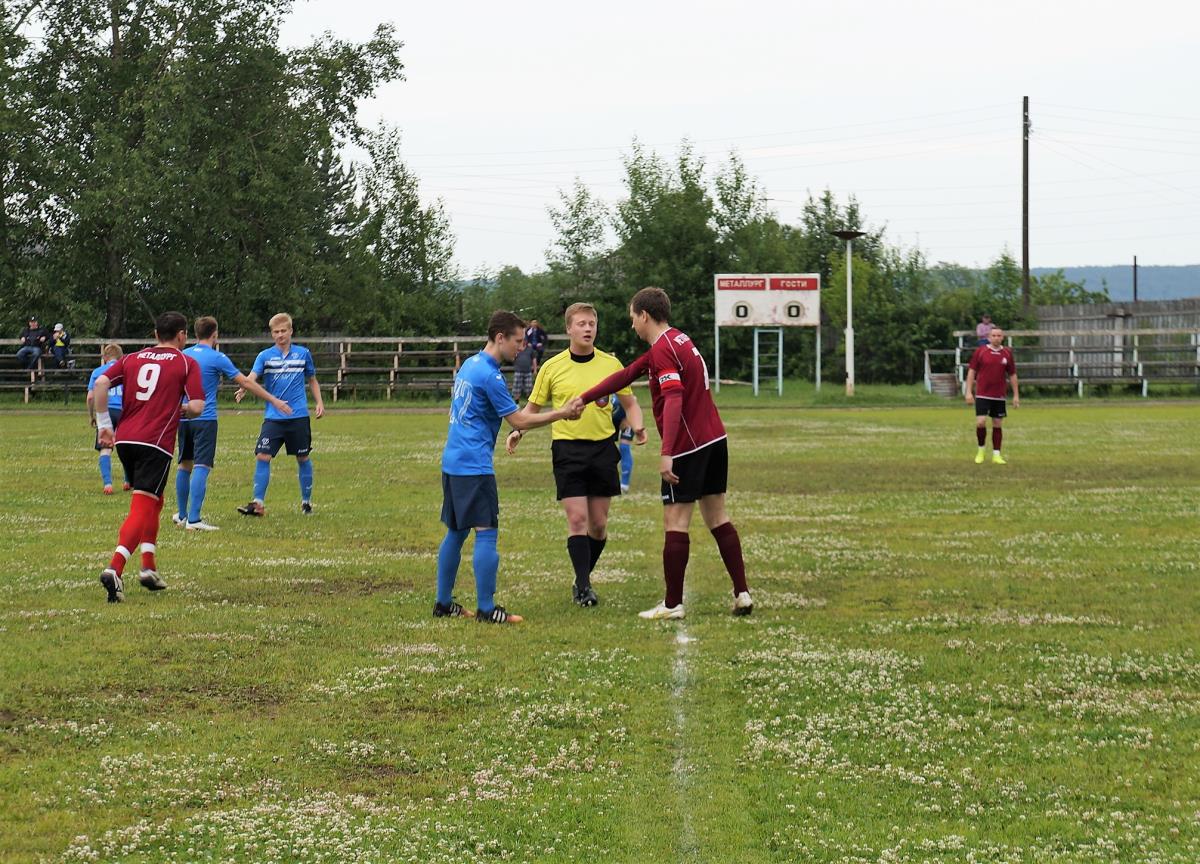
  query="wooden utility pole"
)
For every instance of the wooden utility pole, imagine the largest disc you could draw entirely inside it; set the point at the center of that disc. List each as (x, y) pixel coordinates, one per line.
(1134, 278)
(1025, 293)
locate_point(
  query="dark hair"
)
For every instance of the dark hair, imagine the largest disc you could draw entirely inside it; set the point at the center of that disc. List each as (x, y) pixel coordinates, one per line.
(503, 322)
(168, 324)
(654, 302)
(205, 327)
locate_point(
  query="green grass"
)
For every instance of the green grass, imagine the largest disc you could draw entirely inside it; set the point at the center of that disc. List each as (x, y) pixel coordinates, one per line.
(947, 662)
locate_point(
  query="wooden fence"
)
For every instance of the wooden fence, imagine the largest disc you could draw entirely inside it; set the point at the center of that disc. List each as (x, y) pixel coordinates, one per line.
(379, 367)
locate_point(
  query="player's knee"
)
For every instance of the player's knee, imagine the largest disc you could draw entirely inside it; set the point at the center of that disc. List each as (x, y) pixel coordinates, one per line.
(577, 523)
(264, 457)
(186, 465)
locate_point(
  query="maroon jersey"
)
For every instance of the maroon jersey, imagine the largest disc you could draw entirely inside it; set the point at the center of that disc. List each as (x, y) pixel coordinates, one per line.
(992, 367)
(156, 380)
(675, 364)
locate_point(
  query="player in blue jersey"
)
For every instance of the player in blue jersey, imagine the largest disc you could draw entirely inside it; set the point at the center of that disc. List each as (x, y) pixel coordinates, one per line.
(285, 370)
(198, 438)
(110, 352)
(469, 497)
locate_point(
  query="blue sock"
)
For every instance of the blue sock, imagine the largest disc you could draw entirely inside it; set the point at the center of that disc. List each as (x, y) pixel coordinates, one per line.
(262, 476)
(199, 490)
(626, 464)
(305, 470)
(449, 556)
(183, 485)
(106, 469)
(487, 562)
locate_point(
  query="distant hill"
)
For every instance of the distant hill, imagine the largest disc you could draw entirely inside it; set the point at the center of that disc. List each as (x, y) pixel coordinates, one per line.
(1154, 283)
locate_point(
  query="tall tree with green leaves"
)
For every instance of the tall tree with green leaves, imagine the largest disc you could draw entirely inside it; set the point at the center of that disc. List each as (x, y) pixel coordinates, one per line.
(188, 155)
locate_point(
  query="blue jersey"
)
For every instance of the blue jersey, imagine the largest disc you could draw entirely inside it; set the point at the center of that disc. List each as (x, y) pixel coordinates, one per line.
(284, 376)
(481, 399)
(114, 393)
(214, 366)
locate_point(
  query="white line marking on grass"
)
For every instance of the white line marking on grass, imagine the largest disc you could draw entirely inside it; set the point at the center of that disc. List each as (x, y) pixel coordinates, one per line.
(681, 771)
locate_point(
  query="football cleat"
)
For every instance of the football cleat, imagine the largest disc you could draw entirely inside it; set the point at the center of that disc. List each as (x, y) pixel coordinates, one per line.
(201, 526)
(742, 604)
(499, 615)
(997, 459)
(108, 489)
(584, 596)
(663, 612)
(151, 581)
(252, 509)
(112, 583)
(624, 488)
(979, 456)
(306, 508)
(178, 520)
(450, 610)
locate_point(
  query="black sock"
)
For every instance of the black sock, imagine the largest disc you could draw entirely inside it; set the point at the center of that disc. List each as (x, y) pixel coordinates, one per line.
(596, 548)
(581, 557)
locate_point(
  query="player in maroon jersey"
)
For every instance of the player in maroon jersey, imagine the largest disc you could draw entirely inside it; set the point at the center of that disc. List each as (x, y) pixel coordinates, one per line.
(694, 461)
(156, 380)
(991, 368)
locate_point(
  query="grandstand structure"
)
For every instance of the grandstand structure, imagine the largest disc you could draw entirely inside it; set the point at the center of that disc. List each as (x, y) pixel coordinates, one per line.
(375, 367)
(1136, 344)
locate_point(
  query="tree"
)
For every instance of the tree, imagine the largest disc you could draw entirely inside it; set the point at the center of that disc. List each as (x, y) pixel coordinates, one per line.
(189, 161)
(412, 243)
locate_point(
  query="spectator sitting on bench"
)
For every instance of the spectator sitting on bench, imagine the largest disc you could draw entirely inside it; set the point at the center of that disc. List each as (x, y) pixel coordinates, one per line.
(60, 344)
(33, 342)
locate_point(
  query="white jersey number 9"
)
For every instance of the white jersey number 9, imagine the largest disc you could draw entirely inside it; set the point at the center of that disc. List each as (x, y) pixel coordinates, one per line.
(147, 380)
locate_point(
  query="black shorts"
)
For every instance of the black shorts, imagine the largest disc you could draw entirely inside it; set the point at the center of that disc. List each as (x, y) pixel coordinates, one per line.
(198, 442)
(296, 434)
(586, 468)
(986, 407)
(146, 467)
(470, 501)
(114, 414)
(702, 472)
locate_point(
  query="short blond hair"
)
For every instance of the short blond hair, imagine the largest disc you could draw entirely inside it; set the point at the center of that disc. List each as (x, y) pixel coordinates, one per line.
(576, 309)
(111, 351)
(280, 319)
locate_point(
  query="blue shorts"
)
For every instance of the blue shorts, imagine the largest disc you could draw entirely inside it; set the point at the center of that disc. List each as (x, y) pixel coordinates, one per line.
(470, 501)
(296, 434)
(115, 415)
(198, 441)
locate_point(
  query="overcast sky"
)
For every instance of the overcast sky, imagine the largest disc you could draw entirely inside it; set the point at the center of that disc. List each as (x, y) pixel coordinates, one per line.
(913, 107)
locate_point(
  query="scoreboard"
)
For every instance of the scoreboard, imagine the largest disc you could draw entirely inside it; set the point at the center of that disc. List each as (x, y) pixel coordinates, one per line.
(767, 299)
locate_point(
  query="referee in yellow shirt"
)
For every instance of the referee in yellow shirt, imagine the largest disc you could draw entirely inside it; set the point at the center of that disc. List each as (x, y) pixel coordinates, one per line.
(584, 451)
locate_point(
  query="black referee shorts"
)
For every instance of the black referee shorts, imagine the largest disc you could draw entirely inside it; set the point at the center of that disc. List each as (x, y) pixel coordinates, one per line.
(588, 469)
(701, 472)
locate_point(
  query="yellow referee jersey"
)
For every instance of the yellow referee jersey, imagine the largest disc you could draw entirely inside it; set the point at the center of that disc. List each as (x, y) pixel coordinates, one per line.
(562, 378)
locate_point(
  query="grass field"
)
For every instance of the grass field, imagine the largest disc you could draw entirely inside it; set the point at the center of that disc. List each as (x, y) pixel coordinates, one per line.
(946, 663)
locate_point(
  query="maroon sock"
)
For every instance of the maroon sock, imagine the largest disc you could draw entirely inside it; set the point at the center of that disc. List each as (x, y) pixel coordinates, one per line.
(997, 437)
(675, 559)
(981, 435)
(731, 553)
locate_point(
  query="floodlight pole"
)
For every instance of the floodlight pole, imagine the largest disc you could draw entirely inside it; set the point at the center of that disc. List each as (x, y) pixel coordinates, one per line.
(849, 237)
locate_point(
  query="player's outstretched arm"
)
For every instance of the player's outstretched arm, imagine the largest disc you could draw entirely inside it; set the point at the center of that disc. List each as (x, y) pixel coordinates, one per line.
(1016, 390)
(247, 384)
(619, 380)
(240, 393)
(515, 436)
(318, 402)
(969, 390)
(524, 422)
